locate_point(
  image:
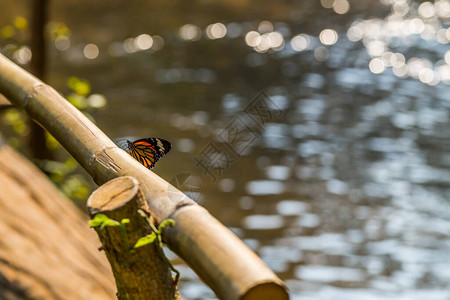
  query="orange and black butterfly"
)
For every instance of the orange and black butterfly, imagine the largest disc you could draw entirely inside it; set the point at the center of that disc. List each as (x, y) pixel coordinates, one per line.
(148, 151)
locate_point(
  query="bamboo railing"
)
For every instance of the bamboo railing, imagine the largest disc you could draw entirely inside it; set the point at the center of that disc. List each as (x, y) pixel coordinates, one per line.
(221, 259)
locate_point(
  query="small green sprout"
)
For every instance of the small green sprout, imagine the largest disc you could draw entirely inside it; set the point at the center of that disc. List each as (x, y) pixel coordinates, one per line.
(102, 221)
(155, 236)
(148, 239)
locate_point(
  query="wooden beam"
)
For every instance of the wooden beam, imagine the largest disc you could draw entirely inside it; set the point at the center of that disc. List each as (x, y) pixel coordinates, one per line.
(47, 250)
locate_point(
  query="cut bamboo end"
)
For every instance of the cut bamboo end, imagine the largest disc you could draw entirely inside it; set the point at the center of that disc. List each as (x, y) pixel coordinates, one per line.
(113, 195)
(268, 290)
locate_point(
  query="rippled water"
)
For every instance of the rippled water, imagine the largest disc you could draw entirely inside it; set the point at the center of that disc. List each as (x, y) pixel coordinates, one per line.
(343, 190)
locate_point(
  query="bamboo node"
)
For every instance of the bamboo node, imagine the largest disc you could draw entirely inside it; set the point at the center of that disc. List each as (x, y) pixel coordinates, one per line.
(183, 203)
(39, 88)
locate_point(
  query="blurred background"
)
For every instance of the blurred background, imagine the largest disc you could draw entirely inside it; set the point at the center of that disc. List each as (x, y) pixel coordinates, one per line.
(343, 189)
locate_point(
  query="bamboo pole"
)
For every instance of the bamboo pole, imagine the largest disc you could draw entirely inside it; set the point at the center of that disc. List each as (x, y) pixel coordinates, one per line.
(222, 260)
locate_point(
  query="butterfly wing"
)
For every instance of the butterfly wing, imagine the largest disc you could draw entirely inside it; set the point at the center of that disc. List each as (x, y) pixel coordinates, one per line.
(148, 151)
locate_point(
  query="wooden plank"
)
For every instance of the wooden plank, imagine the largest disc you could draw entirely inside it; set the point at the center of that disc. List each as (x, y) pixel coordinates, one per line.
(47, 250)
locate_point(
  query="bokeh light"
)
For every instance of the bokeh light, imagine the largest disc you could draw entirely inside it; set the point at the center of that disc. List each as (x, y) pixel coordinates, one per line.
(62, 43)
(22, 55)
(321, 53)
(7, 31)
(426, 9)
(90, 51)
(251, 38)
(444, 73)
(447, 57)
(416, 26)
(300, 42)
(263, 42)
(143, 42)
(129, 45)
(328, 37)
(397, 60)
(97, 101)
(441, 36)
(400, 8)
(400, 71)
(158, 43)
(400, 29)
(190, 32)
(442, 8)
(216, 31)
(377, 66)
(415, 65)
(327, 3)
(428, 76)
(355, 33)
(265, 27)
(276, 40)
(341, 6)
(375, 48)
(20, 23)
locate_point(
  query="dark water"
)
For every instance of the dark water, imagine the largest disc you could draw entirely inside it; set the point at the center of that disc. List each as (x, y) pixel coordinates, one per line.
(339, 177)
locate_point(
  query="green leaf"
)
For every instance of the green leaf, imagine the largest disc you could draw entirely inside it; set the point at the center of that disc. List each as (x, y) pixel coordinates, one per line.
(148, 239)
(111, 222)
(166, 222)
(102, 221)
(98, 220)
(125, 221)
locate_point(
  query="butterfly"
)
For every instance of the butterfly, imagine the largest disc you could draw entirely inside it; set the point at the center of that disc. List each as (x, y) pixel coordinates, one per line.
(148, 151)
